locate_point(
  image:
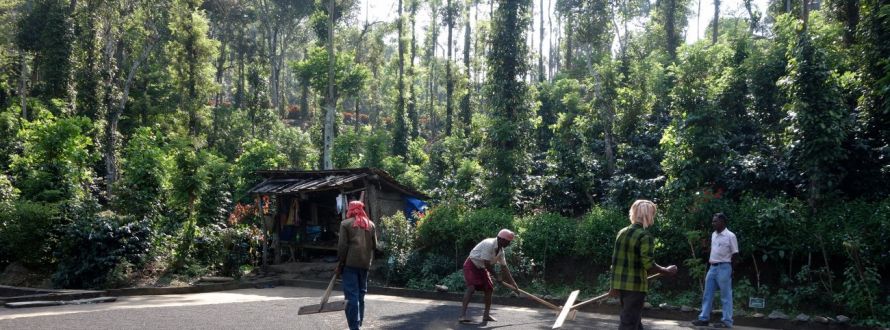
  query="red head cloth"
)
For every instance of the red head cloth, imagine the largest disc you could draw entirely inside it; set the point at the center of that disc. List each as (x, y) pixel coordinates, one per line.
(357, 210)
(506, 234)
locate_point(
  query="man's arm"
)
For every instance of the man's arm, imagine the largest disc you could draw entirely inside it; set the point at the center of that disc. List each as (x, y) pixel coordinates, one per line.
(647, 250)
(734, 245)
(342, 247)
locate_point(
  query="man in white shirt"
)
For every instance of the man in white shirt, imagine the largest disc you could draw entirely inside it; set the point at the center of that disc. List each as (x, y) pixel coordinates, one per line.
(479, 267)
(724, 254)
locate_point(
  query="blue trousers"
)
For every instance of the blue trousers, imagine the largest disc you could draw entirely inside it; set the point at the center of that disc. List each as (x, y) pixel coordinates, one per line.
(355, 285)
(719, 278)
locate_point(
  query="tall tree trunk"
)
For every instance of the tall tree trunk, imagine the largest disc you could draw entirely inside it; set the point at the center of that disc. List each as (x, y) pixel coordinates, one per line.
(239, 90)
(433, 120)
(669, 27)
(114, 115)
(412, 98)
(465, 114)
(330, 107)
(851, 11)
(541, 46)
(716, 22)
(275, 72)
(550, 59)
(449, 81)
(805, 13)
(304, 92)
(220, 68)
(23, 83)
(555, 52)
(400, 134)
(570, 27)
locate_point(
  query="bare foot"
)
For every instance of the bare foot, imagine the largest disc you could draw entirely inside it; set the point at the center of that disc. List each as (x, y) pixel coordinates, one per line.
(488, 318)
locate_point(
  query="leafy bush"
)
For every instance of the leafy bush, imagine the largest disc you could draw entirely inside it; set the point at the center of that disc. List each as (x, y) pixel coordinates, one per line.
(242, 245)
(546, 236)
(94, 246)
(398, 241)
(596, 233)
(258, 155)
(477, 225)
(28, 232)
(347, 150)
(144, 172)
(439, 229)
(433, 269)
(56, 163)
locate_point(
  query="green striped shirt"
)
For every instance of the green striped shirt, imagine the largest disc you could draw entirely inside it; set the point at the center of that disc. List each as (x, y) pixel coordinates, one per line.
(631, 258)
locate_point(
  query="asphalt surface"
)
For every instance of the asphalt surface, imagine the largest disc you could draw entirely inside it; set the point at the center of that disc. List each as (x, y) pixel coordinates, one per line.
(276, 308)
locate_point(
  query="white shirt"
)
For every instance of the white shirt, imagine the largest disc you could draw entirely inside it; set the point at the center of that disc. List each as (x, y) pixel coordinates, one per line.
(723, 246)
(487, 251)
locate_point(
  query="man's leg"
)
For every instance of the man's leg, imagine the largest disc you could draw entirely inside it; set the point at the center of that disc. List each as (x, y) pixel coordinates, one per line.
(486, 316)
(724, 280)
(350, 290)
(467, 295)
(707, 300)
(631, 310)
(362, 290)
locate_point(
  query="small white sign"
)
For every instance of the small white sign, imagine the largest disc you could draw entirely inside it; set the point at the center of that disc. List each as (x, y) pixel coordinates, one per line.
(757, 303)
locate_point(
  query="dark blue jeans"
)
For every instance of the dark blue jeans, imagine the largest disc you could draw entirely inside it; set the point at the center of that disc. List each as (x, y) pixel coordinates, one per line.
(355, 285)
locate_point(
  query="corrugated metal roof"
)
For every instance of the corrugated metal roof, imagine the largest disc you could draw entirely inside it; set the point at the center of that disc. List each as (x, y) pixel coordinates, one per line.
(294, 181)
(286, 186)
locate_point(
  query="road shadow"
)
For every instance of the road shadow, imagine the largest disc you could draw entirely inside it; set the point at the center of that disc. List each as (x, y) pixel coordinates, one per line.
(436, 317)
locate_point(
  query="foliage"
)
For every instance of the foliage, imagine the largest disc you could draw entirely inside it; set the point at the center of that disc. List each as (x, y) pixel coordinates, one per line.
(55, 163)
(476, 225)
(28, 232)
(9, 143)
(145, 173)
(547, 236)
(598, 226)
(94, 246)
(819, 123)
(349, 77)
(398, 239)
(440, 228)
(505, 152)
(46, 30)
(258, 155)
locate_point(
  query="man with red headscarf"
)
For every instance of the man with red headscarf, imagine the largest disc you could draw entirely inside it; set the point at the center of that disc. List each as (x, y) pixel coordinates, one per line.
(355, 250)
(479, 267)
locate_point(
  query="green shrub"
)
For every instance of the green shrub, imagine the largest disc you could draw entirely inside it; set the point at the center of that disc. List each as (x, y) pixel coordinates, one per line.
(398, 238)
(94, 245)
(770, 229)
(439, 230)
(455, 281)
(56, 161)
(144, 171)
(596, 233)
(242, 246)
(480, 224)
(546, 236)
(29, 233)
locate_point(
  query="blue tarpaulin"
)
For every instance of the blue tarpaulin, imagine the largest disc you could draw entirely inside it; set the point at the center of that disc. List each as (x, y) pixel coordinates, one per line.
(413, 206)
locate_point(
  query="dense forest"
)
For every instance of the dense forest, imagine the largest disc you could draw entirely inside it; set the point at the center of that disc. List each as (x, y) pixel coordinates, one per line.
(130, 131)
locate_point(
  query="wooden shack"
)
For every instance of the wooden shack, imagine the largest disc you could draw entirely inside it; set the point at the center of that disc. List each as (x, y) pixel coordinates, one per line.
(309, 205)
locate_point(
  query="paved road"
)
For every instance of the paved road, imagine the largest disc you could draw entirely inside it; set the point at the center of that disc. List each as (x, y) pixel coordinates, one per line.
(276, 308)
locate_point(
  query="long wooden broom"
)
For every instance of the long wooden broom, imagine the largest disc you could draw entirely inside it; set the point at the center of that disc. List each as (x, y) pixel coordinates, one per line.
(325, 306)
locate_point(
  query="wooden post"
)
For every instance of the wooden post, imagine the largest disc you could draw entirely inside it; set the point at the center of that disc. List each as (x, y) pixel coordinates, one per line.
(373, 201)
(259, 209)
